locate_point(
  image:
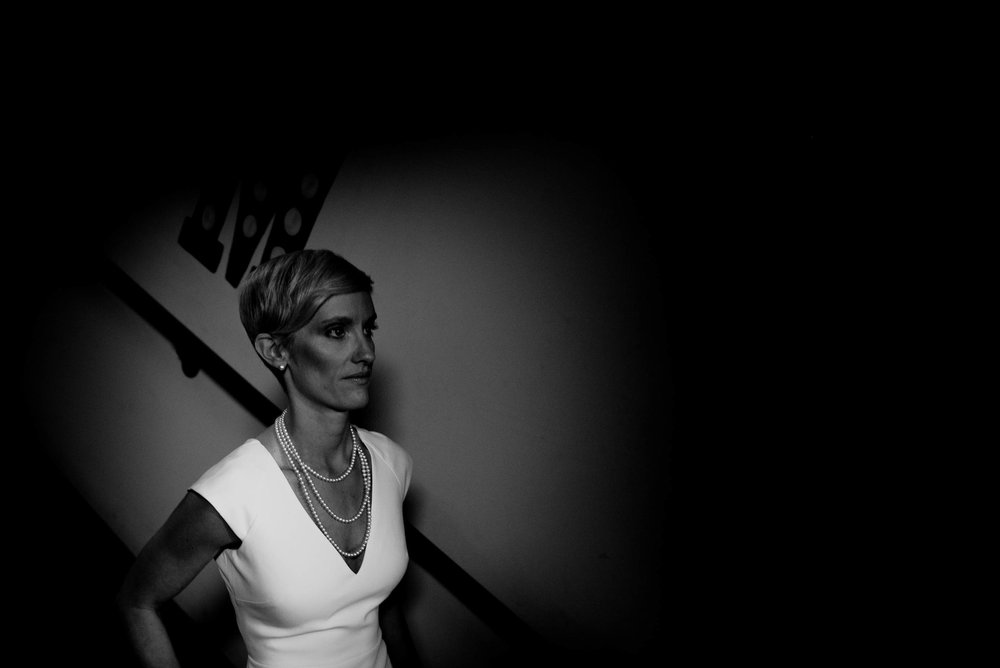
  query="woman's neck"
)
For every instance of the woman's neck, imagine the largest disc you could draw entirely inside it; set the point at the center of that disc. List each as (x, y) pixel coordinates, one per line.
(321, 438)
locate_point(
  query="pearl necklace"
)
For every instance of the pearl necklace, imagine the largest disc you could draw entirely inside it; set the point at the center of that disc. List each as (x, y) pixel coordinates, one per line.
(301, 469)
(314, 472)
(292, 453)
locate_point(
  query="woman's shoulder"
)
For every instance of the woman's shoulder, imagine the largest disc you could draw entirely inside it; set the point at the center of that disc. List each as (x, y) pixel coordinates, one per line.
(235, 485)
(395, 455)
(382, 443)
(244, 460)
(248, 453)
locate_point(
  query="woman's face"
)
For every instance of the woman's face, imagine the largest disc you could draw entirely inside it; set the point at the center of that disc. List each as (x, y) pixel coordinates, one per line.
(330, 359)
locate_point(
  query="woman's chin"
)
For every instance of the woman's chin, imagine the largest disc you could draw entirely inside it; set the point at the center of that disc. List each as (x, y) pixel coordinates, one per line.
(358, 400)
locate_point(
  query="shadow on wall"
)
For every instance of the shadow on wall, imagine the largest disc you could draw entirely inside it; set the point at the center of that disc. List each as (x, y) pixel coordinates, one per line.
(379, 416)
(75, 565)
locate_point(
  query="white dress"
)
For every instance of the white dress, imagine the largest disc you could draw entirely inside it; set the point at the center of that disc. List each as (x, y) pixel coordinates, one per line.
(297, 603)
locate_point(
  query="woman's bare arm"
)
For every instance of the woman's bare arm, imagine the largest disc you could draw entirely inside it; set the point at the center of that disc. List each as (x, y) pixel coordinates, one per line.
(190, 538)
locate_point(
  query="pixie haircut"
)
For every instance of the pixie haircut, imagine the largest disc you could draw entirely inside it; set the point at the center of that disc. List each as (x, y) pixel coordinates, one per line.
(282, 295)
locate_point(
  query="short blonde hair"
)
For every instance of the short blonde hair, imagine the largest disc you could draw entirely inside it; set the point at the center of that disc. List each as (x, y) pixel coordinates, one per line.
(281, 295)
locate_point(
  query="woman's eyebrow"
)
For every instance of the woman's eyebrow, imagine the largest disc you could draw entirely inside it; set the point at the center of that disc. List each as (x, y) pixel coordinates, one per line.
(344, 320)
(337, 320)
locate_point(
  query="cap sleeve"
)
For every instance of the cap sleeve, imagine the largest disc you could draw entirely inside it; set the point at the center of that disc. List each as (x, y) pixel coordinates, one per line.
(230, 486)
(399, 460)
(404, 466)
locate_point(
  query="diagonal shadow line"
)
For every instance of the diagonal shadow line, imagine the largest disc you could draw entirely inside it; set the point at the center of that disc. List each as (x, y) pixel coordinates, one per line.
(196, 355)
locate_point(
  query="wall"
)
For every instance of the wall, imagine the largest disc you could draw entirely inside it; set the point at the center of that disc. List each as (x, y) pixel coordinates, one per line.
(521, 362)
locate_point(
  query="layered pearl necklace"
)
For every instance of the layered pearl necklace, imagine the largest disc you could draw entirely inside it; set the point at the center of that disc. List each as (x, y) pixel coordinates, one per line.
(303, 472)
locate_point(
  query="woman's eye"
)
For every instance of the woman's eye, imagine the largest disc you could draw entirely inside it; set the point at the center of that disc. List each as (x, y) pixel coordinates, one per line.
(370, 331)
(335, 332)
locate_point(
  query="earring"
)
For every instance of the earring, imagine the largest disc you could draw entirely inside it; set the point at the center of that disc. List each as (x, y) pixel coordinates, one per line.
(281, 368)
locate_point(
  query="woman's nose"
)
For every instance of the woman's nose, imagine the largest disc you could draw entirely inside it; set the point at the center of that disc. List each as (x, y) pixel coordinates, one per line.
(365, 351)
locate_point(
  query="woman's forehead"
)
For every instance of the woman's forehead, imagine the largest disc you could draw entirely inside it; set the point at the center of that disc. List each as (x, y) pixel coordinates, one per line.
(353, 305)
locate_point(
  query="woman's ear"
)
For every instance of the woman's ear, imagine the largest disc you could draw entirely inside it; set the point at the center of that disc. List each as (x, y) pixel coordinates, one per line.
(270, 351)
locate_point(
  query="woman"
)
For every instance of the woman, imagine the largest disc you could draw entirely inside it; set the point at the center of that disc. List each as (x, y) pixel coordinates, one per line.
(305, 520)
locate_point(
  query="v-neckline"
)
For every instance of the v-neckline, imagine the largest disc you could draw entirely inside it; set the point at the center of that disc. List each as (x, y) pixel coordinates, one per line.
(312, 522)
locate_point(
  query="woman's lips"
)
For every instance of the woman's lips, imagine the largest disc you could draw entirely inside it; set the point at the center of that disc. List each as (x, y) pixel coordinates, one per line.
(360, 378)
